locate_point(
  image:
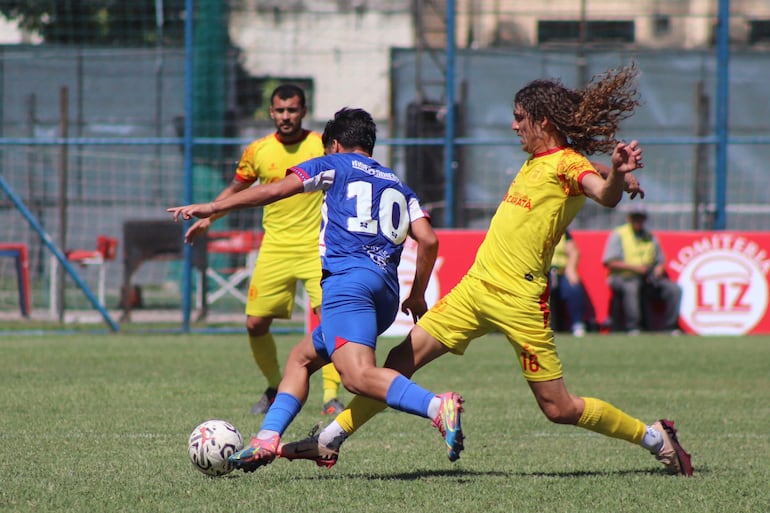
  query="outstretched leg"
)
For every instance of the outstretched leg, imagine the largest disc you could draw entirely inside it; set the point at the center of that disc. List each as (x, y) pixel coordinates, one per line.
(660, 438)
(418, 349)
(356, 363)
(303, 361)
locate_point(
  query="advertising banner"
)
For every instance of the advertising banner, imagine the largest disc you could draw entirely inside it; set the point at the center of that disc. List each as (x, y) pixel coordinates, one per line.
(723, 276)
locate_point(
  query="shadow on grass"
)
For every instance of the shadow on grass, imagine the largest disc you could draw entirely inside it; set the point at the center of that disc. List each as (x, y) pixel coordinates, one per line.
(462, 475)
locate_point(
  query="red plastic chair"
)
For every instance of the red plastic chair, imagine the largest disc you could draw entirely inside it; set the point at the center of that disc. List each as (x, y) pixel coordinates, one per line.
(233, 242)
(106, 250)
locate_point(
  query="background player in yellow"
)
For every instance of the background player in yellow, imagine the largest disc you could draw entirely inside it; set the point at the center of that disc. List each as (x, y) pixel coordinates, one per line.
(506, 288)
(289, 251)
(568, 296)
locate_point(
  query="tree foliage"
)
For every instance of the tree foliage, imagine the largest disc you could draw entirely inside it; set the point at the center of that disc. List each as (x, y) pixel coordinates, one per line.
(100, 22)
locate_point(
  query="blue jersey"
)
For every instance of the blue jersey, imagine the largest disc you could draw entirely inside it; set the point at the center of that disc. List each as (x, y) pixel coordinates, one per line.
(366, 213)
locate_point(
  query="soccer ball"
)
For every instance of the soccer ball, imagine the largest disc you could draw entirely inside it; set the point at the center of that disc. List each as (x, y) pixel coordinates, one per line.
(211, 443)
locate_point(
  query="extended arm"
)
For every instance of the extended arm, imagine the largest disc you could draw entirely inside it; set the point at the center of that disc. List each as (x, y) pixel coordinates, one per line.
(427, 250)
(253, 197)
(202, 225)
(632, 185)
(607, 192)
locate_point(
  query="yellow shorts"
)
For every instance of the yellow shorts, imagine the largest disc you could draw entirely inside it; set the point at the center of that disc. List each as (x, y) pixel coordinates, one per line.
(273, 284)
(474, 308)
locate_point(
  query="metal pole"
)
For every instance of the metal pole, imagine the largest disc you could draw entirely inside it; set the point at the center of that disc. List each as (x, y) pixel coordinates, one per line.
(63, 179)
(722, 120)
(449, 133)
(159, 65)
(582, 38)
(700, 180)
(421, 47)
(79, 181)
(188, 165)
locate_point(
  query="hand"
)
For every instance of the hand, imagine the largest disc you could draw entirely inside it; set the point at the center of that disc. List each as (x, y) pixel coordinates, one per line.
(200, 210)
(414, 306)
(200, 226)
(632, 186)
(627, 157)
(659, 271)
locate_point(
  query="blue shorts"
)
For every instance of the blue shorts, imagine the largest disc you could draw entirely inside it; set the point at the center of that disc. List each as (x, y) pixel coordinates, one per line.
(357, 306)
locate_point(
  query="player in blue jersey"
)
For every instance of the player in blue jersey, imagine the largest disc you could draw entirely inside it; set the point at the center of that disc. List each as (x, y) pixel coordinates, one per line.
(366, 216)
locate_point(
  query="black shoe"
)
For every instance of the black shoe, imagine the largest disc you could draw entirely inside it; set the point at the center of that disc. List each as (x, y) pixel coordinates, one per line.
(264, 402)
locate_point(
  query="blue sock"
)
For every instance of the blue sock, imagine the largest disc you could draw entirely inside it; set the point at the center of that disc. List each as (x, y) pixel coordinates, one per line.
(281, 413)
(406, 395)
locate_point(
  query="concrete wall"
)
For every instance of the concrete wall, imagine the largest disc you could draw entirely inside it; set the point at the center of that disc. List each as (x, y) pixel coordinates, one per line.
(347, 54)
(690, 22)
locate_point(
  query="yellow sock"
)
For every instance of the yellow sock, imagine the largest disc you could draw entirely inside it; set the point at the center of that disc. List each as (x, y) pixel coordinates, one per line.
(601, 417)
(266, 356)
(358, 413)
(331, 382)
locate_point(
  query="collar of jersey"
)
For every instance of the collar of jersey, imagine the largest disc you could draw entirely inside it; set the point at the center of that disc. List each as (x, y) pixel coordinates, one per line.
(549, 152)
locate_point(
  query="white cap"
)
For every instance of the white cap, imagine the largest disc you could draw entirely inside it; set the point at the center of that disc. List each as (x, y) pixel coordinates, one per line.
(636, 208)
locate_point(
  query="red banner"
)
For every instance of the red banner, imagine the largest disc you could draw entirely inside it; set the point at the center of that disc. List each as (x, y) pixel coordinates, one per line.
(723, 275)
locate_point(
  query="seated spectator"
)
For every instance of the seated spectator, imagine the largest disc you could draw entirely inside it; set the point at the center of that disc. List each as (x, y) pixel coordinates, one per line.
(637, 275)
(567, 289)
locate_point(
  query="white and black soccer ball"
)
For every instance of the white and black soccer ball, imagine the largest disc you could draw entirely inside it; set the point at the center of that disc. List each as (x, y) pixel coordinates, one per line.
(211, 443)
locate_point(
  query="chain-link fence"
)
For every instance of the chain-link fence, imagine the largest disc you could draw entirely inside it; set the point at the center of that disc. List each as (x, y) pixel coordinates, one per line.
(94, 105)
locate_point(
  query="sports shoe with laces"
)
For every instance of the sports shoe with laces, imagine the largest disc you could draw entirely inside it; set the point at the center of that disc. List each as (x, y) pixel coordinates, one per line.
(265, 401)
(448, 423)
(310, 449)
(259, 453)
(671, 453)
(333, 407)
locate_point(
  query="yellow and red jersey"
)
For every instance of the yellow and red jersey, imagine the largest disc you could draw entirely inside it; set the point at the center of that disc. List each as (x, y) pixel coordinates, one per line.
(291, 224)
(543, 199)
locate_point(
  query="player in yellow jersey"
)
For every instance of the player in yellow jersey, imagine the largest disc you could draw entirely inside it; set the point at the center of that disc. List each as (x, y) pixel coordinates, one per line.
(506, 288)
(289, 252)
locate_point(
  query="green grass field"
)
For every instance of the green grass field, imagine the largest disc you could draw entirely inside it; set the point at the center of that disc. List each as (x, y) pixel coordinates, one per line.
(99, 423)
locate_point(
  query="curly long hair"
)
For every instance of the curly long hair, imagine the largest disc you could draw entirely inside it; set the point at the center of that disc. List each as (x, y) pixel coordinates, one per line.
(588, 118)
